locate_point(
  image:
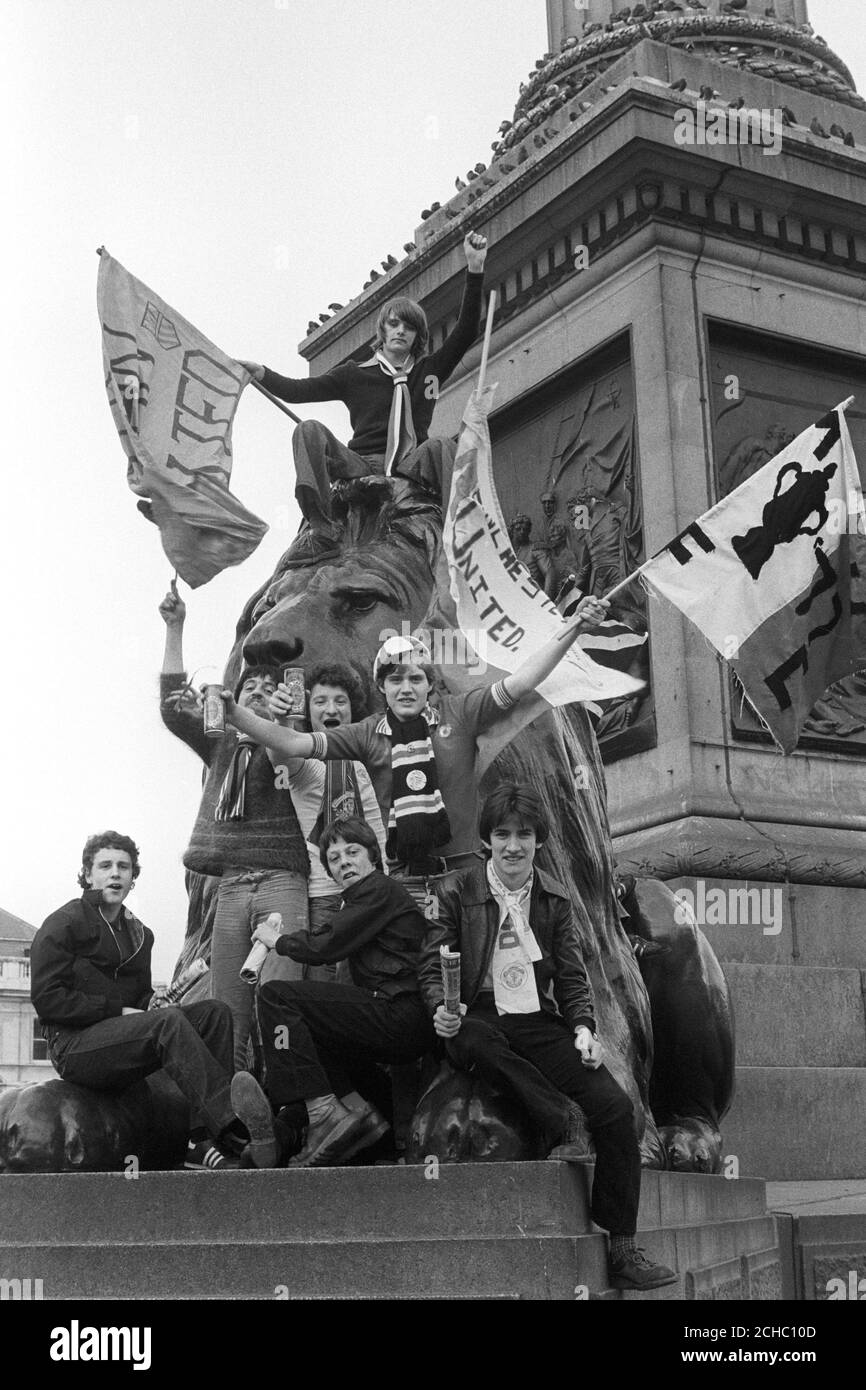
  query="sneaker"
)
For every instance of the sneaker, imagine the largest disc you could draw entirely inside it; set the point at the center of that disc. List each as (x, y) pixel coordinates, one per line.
(635, 1271)
(207, 1154)
(375, 1127)
(253, 1109)
(328, 1140)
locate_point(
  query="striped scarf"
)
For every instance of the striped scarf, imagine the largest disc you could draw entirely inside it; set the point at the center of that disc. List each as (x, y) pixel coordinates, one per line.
(417, 821)
(402, 438)
(233, 792)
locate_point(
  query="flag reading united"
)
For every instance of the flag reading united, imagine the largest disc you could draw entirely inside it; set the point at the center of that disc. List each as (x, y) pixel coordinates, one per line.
(775, 576)
(173, 396)
(500, 608)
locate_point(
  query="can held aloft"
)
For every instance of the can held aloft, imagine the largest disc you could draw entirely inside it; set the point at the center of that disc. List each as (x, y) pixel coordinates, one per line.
(213, 712)
(293, 680)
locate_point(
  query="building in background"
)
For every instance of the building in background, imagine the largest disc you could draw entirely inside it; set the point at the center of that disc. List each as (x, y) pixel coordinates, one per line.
(23, 1051)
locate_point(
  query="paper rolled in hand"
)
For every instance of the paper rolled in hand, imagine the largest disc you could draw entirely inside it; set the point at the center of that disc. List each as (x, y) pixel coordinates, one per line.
(251, 967)
(450, 979)
(185, 981)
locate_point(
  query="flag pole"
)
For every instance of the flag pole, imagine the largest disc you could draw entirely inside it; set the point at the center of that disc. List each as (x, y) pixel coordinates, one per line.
(279, 404)
(624, 583)
(485, 351)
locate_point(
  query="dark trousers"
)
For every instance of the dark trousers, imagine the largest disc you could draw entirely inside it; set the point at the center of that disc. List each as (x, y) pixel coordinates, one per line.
(533, 1058)
(192, 1043)
(320, 460)
(318, 1038)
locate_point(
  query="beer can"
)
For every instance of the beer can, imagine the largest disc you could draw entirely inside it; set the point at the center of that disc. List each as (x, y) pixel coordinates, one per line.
(293, 680)
(214, 712)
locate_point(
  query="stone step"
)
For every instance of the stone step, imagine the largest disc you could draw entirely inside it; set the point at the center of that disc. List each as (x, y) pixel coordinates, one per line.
(549, 1267)
(480, 1231)
(529, 1267)
(380, 1203)
(788, 1123)
(780, 1010)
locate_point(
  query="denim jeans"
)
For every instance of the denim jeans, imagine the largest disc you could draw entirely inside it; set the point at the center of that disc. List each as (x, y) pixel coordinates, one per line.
(192, 1043)
(245, 898)
(533, 1058)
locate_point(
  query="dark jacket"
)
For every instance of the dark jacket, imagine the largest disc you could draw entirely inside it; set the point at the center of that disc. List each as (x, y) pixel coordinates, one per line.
(76, 973)
(367, 391)
(378, 928)
(468, 920)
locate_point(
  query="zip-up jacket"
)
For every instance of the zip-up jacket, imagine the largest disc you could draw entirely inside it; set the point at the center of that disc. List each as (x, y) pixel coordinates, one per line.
(378, 928)
(468, 922)
(77, 974)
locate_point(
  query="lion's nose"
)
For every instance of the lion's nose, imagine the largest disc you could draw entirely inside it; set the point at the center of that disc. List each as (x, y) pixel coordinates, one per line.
(264, 651)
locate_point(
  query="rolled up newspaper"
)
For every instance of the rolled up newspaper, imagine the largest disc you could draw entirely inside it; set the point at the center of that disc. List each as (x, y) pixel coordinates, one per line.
(252, 965)
(251, 968)
(450, 961)
(185, 981)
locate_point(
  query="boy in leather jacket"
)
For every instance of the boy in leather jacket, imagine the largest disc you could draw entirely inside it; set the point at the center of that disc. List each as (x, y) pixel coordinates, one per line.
(526, 1025)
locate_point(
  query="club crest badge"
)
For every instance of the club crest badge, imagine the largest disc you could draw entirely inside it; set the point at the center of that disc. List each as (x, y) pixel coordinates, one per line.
(416, 781)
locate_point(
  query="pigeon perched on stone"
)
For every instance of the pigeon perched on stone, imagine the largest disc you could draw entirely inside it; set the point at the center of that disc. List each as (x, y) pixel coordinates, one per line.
(539, 141)
(641, 12)
(732, 6)
(592, 29)
(788, 117)
(335, 308)
(837, 130)
(708, 93)
(849, 138)
(738, 104)
(459, 184)
(522, 154)
(389, 263)
(409, 247)
(313, 327)
(622, 16)
(770, 12)
(324, 318)
(374, 274)
(680, 85)
(817, 129)
(471, 175)
(696, 5)
(505, 127)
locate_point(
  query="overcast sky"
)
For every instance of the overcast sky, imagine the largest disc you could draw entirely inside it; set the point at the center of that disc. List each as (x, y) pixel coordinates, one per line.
(250, 160)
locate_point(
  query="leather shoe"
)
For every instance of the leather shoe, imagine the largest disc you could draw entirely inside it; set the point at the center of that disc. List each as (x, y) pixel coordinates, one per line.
(328, 1140)
(375, 1127)
(635, 1271)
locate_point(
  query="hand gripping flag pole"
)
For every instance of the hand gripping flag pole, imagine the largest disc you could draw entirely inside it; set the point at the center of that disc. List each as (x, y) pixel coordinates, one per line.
(485, 351)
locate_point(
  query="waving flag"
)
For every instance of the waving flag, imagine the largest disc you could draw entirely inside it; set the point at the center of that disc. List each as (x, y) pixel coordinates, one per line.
(500, 609)
(775, 576)
(173, 396)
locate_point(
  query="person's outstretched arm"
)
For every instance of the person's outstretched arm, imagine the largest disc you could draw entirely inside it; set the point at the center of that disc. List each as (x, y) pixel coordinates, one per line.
(442, 363)
(536, 668)
(276, 737)
(178, 705)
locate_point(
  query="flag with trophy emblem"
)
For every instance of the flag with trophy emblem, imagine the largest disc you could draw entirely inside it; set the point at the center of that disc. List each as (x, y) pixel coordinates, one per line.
(173, 396)
(500, 609)
(774, 576)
